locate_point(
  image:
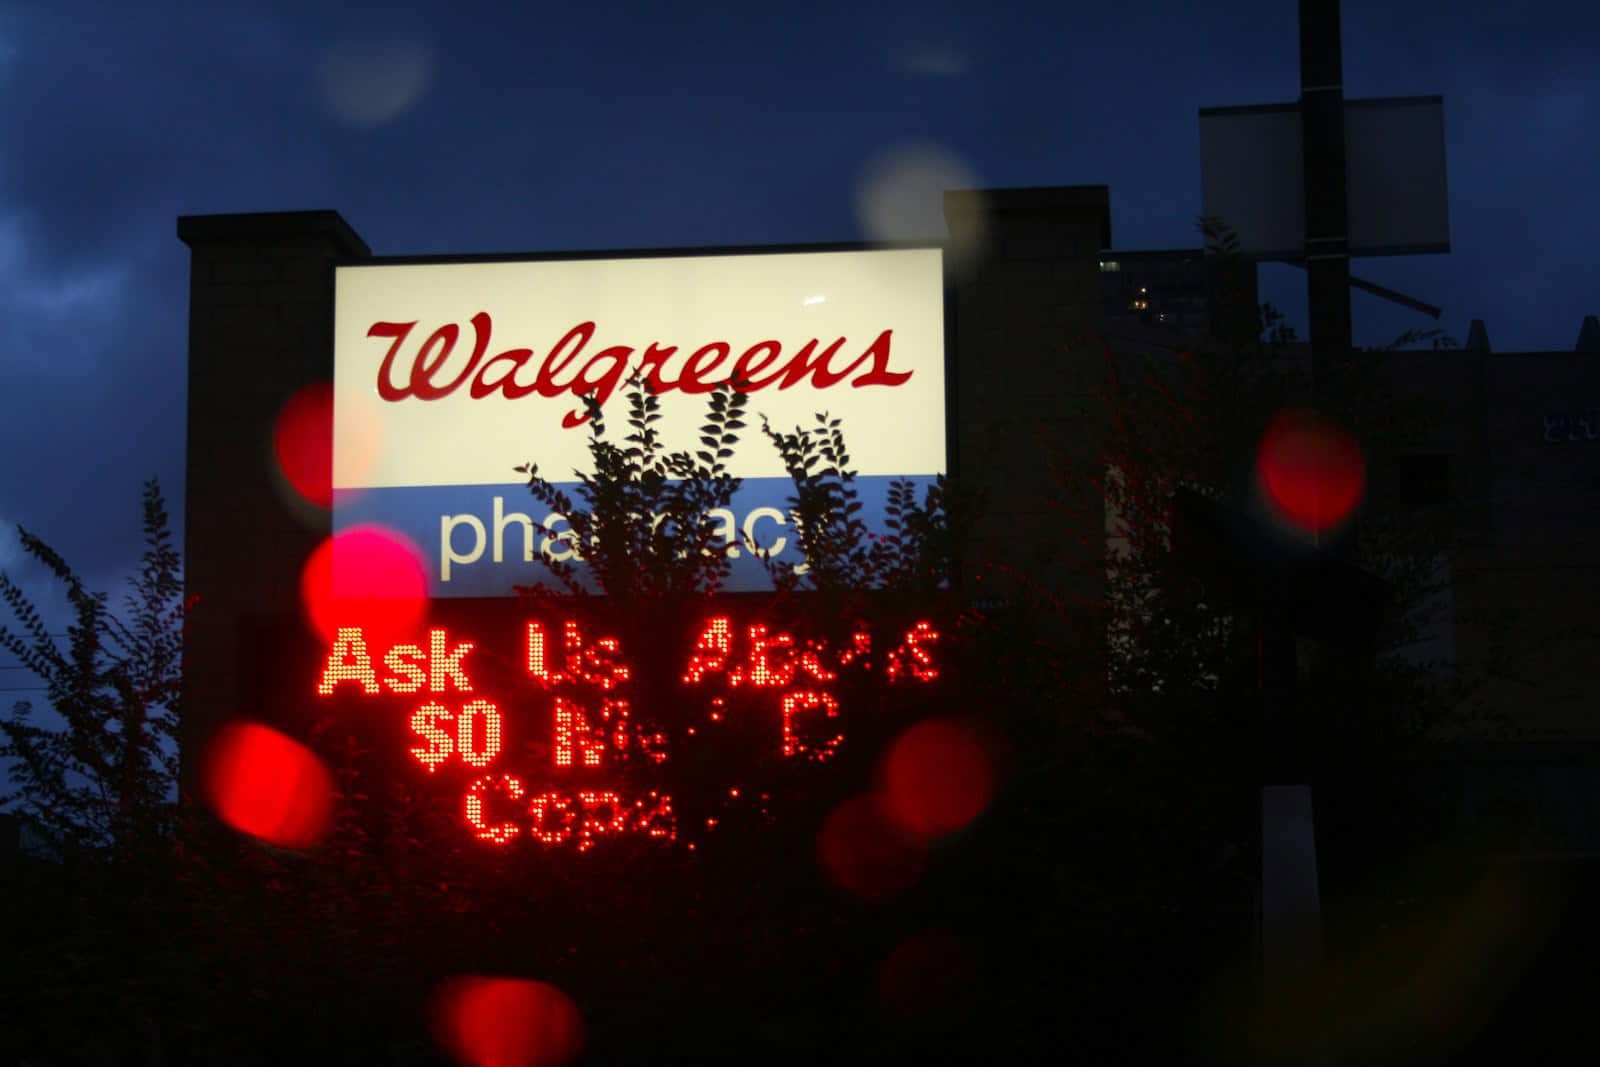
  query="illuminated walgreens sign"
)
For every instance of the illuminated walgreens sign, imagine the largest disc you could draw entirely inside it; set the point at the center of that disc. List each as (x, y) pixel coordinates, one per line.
(448, 376)
(550, 757)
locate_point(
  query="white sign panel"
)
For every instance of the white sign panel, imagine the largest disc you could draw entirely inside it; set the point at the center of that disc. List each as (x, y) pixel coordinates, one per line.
(1251, 176)
(449, 375)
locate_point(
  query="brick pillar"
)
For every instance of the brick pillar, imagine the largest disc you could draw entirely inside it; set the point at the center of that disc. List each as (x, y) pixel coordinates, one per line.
(1027, 317)
(260, 328)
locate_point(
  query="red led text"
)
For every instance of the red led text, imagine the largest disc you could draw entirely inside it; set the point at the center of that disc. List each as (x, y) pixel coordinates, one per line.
(582, 682)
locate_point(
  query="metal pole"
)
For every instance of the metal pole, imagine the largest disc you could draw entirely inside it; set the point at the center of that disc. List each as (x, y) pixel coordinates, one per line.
(1291, 924)
(1322, 154)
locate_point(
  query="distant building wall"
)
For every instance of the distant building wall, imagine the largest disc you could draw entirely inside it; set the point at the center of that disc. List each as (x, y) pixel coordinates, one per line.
(1525, 579)
(1528, 592)
(1181, 289)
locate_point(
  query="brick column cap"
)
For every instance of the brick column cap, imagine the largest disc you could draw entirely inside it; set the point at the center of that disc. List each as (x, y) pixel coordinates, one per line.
(1091, 201)
(196, 230)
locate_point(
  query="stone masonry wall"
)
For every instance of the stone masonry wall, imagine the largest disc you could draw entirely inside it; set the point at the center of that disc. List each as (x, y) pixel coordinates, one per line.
(260, 328)
(1027, 314)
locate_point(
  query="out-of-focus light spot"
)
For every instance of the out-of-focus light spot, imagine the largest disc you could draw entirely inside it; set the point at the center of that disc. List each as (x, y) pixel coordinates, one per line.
(1311, 469)
(863, 853)
(931, 60)
(901, 198)
(930, 981)
(371, 84)
(1424, 969)
(506, 1022)
(813, 301)
(267, 785)
(302, 441)
(936, 779)
(359, 439)
(368, 576)
(303, 448)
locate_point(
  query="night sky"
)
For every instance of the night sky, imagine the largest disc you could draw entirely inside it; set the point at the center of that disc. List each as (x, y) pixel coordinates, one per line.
(554, 128)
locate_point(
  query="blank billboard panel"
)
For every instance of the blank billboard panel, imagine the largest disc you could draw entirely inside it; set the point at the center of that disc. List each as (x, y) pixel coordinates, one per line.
(1250, 177)
(1395, 192)
(1395, 176)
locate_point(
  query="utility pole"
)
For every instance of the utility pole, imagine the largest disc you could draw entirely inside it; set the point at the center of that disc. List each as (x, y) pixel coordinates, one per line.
(1246, 156)
(1327, 222)
(1291, 905)
(1327, 250)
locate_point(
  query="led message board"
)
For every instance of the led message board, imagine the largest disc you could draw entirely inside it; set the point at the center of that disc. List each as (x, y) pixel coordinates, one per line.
(544, 733)
(449, 375)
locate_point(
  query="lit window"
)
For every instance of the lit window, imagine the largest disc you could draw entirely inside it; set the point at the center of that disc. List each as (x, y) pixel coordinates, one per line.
(1109, 266)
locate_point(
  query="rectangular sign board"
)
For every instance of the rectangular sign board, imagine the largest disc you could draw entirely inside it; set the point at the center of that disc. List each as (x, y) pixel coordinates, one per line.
(1251, 176)
(449, 375)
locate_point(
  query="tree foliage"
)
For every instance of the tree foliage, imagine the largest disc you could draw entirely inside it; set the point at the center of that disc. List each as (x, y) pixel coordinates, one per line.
(645, 527)
(917, 551)
(105, 778)
(1181, 649)
(643, 524)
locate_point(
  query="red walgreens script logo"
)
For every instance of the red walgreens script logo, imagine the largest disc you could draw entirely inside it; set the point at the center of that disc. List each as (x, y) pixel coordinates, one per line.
(761, 365)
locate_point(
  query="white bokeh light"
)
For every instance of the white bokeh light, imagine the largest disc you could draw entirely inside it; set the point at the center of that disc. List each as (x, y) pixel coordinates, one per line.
(371, 84)
(900, 197)
(931, 60)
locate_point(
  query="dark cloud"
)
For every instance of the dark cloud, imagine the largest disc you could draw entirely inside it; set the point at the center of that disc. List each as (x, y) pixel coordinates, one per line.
(561, 129)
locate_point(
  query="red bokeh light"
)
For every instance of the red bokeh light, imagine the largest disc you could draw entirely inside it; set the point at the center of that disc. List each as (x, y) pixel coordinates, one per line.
(267, 785)
(367, 576)
(1311, 469)
(864, 854)
(929, 980)
(506, 1022)
(936, 779)
(302, 442)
